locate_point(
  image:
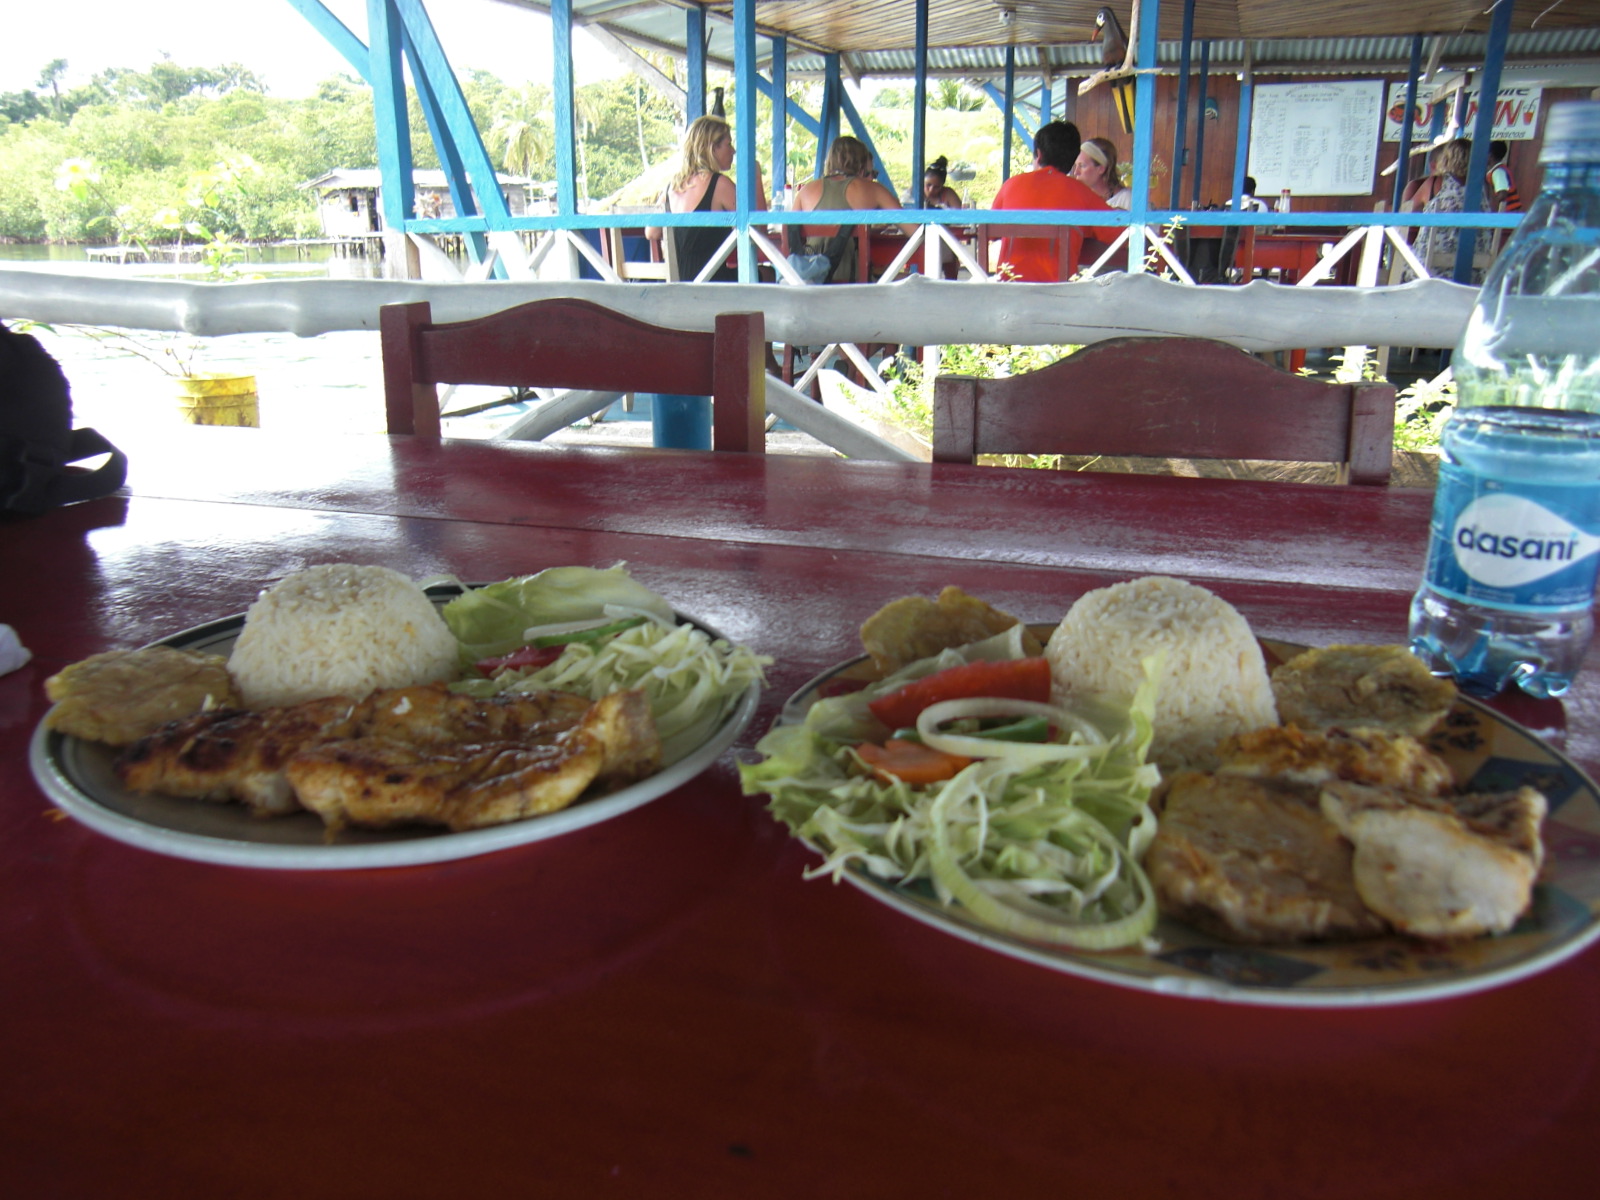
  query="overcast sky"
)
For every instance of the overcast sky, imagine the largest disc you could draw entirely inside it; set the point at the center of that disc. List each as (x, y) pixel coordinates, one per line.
(270, 37)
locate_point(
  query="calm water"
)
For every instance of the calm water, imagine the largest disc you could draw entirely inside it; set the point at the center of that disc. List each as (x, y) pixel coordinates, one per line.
(331, 383)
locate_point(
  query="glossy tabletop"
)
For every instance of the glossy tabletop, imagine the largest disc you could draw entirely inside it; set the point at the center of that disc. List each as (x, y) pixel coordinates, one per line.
(661, 1005)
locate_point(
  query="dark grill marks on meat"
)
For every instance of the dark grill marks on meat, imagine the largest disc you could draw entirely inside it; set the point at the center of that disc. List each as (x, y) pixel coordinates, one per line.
(437, 756)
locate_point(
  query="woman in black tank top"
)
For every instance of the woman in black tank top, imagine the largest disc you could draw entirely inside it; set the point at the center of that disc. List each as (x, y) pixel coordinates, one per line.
(707, 156)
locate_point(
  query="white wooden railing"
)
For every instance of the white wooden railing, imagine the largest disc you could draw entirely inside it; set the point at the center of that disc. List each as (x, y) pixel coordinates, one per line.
(916, 311)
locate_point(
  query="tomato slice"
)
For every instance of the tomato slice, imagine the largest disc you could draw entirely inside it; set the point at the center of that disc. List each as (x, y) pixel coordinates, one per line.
(910, 761)
(528, 658)
(1010, 679)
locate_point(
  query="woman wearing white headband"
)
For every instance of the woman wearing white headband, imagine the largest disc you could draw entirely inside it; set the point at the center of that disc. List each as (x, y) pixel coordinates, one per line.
(1096, 167)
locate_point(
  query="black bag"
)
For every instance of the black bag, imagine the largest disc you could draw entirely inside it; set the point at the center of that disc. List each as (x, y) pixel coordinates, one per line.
(37, 439)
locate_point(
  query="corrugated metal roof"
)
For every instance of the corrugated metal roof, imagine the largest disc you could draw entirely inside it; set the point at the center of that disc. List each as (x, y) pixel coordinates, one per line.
(1300, 55)
(879, 35)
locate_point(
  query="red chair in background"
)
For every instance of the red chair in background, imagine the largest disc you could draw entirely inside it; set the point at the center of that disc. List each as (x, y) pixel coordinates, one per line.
(1168, 398)
(564, 343)
(1057, 235)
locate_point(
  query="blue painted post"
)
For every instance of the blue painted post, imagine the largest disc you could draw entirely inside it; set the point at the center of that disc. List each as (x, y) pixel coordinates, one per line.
(1180, 123)
(779, 96)
(1008, 108)
(919, 108)
(1488, 101)
(1402, 170)
(680, 422)
(389, 112)
(1200, 121)
(747, 169)
(1144, 107)
(561, 93)
(1241, 155)
(695, 59)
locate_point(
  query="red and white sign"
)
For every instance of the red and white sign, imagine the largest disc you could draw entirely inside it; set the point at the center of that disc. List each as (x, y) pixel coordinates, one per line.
(1516, 115)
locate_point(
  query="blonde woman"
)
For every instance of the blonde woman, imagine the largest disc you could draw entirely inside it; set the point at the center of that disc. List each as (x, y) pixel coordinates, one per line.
(703, 185)
(1442, 192)
(1096, 168)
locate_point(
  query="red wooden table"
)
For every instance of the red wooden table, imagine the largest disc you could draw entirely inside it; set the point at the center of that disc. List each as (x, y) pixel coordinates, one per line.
(660, 1005)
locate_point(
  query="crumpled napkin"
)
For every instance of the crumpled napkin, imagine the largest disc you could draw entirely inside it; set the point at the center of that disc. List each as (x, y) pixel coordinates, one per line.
(13, 653)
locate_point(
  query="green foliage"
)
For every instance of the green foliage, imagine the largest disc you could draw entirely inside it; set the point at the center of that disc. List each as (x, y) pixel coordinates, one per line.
(1420, 412)
(909, 402)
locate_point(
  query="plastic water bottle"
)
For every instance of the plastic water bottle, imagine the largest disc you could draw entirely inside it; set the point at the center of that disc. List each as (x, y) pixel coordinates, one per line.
(1514, 548)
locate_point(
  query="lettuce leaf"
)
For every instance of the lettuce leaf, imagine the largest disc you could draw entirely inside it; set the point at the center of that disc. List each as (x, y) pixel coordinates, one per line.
(490, 621)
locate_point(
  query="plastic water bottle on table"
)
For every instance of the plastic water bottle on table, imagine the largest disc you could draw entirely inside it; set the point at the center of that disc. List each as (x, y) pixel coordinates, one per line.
(1508, 592)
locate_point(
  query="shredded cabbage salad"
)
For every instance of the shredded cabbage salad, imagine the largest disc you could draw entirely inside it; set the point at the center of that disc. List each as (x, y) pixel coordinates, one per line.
(1039, 840)
(691, 680)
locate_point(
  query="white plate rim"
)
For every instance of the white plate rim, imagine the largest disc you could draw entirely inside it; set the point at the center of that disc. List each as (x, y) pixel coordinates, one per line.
(45, 759)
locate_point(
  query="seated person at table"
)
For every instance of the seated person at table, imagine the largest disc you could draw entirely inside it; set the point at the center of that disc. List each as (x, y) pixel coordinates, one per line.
(1249, 201)
(701, 185)
(936, 193)
(1096, 167)
(1049, 185)
(848, 181)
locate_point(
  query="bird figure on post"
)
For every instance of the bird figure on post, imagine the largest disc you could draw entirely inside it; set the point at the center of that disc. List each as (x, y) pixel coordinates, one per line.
(1113, 40)
(1117, 53)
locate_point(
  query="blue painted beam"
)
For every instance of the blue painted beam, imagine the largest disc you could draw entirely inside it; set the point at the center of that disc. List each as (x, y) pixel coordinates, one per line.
(1018, 126)
(798, 115)
(385, 34)
(450, 160)
(337, 34)
(428, 63)
(864, 135)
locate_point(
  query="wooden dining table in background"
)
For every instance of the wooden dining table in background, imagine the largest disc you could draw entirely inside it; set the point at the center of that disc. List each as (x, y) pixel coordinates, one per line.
(662, 1005)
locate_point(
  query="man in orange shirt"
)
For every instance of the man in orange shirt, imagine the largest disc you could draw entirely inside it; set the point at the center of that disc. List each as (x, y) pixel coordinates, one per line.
(1049, 185)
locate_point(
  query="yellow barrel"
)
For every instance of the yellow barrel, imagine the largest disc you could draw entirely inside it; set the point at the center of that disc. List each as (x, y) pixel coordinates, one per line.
(219, 400)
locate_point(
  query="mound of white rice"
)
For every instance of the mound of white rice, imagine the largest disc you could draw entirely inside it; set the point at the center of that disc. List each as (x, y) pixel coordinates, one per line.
(1213, 682)
(340, 630)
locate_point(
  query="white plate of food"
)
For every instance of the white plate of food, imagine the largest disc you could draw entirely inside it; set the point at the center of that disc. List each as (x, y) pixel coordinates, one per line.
(1485, 753)
(80, 776)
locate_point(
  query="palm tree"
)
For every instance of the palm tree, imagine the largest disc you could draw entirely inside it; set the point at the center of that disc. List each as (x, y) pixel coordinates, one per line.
(522, 134)
(954, 95)
(50, 77)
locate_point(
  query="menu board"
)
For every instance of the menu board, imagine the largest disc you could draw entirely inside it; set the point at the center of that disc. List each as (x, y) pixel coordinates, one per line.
(1315, 139)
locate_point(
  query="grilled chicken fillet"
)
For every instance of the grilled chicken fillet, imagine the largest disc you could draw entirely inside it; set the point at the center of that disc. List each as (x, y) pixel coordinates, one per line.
(518, 753)
(1448, 868)
(233, 754)
(375, 782)
(1249, 860)
(1369, 756)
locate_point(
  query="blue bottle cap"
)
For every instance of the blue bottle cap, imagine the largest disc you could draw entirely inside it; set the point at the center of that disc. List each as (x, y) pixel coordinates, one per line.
(1572, 132)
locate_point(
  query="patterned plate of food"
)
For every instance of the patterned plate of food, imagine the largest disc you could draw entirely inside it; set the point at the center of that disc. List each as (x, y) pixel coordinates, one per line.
(260, 823)
(1212, 936)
